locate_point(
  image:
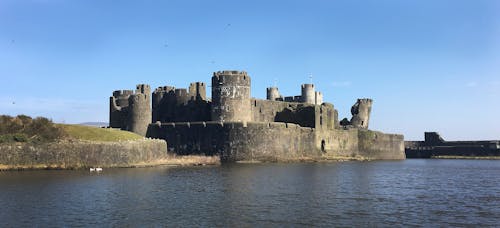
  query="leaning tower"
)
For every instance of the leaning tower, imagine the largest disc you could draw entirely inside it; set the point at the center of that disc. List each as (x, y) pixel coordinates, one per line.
(361, 113)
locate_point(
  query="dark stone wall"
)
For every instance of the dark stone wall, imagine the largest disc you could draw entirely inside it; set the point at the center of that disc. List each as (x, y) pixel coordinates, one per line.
(178, 105)
(434, 145)
(305, 115)
(377, 145)
(261, 141)
(238, 141)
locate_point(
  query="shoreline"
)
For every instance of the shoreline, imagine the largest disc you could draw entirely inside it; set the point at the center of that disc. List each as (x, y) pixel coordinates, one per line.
(466, 157)
(171, 160)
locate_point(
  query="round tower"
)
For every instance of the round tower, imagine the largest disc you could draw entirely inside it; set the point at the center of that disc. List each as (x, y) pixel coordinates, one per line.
(140, 115)
(273, 93)
(231, 96)
(361, 113)
(308, 94)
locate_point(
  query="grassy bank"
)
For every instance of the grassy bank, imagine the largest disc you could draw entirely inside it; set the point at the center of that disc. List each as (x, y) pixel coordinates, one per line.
(96, 134)
(24, 129)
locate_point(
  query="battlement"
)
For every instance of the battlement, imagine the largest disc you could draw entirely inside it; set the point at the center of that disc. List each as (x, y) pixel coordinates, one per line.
(304, 86)
(122, 93)
(230, 72)
(164, 89)
(143, 88)
(365, 101)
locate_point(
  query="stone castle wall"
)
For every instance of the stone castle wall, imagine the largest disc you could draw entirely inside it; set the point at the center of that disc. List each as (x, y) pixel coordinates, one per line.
(81, 154)
(261, 141)
(179, 105)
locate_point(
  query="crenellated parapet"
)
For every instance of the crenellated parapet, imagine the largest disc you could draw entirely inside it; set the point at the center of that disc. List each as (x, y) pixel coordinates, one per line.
(172, 104)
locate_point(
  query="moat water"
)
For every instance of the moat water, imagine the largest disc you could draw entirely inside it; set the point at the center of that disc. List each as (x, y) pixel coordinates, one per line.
(412, 192)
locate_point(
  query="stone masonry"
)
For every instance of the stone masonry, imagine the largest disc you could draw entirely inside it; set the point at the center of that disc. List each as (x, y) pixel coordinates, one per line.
(237, 127)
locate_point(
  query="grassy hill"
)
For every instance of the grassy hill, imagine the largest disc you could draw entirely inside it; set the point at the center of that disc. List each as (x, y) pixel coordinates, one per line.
(38, 130)
(96, 134)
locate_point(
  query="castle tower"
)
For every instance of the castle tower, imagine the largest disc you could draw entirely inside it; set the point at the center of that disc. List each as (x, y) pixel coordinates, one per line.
(231, 96)
(197, 91)
(139, 115)
(361, 113)
(318, 98)
(273, 93)
(118, 108)
(308, 94)
(158, 99)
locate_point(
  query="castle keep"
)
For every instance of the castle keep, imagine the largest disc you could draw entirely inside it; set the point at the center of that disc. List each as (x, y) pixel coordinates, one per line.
(237, 127)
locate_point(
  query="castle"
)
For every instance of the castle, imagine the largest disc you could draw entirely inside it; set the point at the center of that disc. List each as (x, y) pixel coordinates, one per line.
(237, 127)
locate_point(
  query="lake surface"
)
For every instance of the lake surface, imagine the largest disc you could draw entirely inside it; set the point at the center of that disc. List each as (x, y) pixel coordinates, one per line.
(411, 192)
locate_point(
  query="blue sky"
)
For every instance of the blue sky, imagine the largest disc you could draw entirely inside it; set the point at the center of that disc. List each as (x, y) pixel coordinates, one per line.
(428, 65)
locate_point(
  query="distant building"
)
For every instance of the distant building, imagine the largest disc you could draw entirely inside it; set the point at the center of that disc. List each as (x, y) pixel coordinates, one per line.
(435, 146)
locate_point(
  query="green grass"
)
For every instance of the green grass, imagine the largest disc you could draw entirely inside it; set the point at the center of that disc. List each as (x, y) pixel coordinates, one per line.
(97, 134)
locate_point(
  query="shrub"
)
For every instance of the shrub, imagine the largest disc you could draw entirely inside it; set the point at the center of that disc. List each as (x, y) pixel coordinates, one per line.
(23, 129)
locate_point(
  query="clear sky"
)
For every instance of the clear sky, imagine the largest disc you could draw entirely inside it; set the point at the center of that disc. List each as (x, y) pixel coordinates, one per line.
(429, 65)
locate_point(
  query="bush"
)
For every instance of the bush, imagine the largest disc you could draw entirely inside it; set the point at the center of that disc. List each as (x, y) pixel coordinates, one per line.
(23, 129)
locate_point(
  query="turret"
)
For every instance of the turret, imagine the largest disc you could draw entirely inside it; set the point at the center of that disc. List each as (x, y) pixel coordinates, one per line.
(230, 96)
(361, 113)
(197, 91)
(131, 111)
(181, 96)
(158, 99)
(273, 93)
(140, 115)
(118, 108)
(308, 94)
(318, 98)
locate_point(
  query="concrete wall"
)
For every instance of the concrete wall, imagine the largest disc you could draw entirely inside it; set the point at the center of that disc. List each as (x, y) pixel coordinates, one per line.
(80, 154)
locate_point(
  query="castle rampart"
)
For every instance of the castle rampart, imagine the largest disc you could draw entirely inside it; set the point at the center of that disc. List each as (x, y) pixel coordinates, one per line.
(240, 128)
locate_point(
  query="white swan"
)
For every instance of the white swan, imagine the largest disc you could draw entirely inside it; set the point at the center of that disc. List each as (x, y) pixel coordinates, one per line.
(92, 169)
(98, 169)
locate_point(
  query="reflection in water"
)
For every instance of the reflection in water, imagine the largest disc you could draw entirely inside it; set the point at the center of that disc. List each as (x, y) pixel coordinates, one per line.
(411, 192)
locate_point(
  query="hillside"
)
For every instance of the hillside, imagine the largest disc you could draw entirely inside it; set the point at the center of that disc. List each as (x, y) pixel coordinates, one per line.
(97, 134)
(23, 128)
